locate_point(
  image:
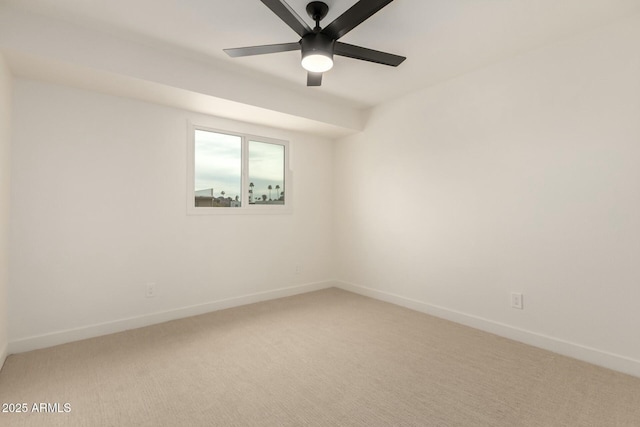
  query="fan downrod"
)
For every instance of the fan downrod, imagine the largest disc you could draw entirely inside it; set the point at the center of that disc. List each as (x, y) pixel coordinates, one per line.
(317, 10)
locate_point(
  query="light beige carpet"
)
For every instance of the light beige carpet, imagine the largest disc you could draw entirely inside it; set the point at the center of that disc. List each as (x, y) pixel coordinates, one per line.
(327, 358)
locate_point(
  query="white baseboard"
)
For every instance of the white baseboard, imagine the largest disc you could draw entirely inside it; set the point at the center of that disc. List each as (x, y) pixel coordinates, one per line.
(95, 330)
(592, 355)
(577, 351)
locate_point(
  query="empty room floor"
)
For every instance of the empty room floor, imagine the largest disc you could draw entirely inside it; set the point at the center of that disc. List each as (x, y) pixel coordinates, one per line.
(329, 357)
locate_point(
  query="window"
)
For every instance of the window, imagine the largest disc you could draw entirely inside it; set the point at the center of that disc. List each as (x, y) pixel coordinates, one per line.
(218, 169)
(266, 173)
(237, 173)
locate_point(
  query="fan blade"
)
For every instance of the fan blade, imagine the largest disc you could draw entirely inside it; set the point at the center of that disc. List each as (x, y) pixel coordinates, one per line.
(289, 16)
(261, 50)
(314, 79)
(357, 52)
(353, 17)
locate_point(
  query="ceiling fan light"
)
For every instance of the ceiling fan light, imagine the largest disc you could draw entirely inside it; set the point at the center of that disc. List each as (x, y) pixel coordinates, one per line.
(317, 52)
(317, 62)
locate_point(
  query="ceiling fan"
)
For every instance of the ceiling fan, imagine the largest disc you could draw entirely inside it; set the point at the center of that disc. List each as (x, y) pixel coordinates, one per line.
(318, 45)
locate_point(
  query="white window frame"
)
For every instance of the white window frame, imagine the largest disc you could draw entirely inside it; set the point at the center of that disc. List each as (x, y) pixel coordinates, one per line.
(245, 207)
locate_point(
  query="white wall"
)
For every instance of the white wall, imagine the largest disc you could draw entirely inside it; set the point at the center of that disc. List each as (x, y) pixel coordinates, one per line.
(99, 209)
(5, 137)
(519, 177)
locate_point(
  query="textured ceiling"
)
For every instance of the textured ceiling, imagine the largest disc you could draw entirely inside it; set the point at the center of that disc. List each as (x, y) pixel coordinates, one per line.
(442, 39)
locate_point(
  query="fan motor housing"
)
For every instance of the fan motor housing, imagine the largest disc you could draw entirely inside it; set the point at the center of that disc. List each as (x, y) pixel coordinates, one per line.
(317, 42)
(317, 52)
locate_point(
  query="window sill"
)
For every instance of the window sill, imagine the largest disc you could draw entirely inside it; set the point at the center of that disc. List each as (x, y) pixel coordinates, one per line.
(272, 210)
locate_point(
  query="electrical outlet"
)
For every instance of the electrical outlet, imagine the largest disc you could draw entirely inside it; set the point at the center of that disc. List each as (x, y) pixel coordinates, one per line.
(298, 269)
(151, 290)
(516, 300)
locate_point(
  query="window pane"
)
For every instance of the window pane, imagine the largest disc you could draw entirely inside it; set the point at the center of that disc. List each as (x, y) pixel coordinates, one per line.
(218, 166)
(266, 173)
